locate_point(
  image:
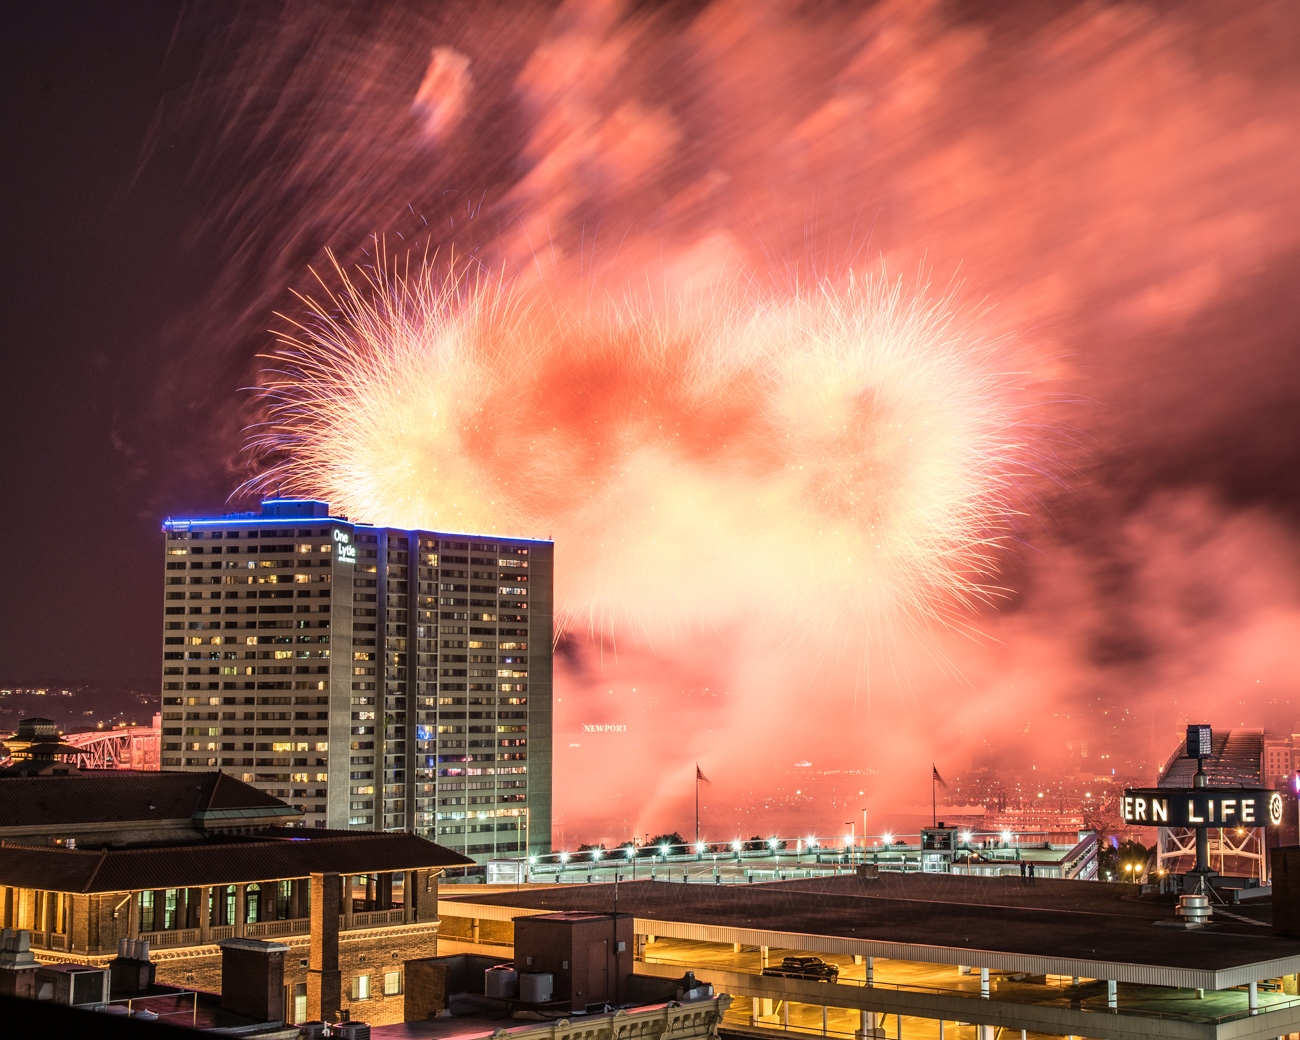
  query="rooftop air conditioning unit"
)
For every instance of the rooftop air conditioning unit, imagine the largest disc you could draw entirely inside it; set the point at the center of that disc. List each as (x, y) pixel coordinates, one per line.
(502, 982)
(535, 987)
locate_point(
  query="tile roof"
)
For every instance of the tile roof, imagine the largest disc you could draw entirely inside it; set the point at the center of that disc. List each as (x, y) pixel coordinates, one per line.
(123, 797)
(263, 856)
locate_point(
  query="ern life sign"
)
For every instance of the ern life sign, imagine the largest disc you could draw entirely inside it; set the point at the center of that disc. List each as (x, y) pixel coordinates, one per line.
(1203, 807)
(345, 551)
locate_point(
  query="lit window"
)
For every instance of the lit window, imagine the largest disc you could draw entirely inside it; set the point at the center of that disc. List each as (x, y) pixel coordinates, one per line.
(304, 548)
(361, 987)
(322, 746)
(300, 778)
(322, 777)
(281, 747)
(392, 983)
(280, 655)
(302, 579)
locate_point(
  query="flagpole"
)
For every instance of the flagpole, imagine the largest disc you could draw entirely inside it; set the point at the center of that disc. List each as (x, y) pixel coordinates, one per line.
(934, 810)
(697, 803)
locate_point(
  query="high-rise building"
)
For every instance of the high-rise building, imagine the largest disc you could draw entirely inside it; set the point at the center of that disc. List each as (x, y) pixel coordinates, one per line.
(380, 679)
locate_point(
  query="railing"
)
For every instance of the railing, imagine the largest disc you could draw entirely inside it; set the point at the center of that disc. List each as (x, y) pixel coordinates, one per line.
(293, 926)
(221, 931)
(374, 918)
(178, 937)
(58, 941)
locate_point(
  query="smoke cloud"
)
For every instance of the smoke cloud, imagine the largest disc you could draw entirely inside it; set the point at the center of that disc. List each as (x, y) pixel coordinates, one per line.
(1107, 184)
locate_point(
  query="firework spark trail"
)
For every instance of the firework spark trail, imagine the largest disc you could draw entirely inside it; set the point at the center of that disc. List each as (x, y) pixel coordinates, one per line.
(862, 434)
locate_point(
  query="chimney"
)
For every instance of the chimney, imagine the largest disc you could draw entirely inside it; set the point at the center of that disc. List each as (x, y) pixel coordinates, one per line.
(17, 964)
(252, 978)
(131, 971)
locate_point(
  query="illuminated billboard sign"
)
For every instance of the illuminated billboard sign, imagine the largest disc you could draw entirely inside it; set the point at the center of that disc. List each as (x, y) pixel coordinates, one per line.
(344, 550)
(1200, 742)
(1202, 807)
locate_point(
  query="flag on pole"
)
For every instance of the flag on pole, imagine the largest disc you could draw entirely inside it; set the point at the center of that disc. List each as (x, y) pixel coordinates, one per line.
(699, 775)
(937, 778)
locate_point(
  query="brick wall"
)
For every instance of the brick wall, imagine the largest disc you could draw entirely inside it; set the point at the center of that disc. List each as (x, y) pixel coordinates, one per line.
(367, 952)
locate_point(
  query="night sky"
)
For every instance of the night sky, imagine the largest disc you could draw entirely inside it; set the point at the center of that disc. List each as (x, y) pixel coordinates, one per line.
(96, 272)
(1118, 185)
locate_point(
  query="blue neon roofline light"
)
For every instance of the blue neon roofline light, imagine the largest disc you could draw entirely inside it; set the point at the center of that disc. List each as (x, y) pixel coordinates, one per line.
(281, 521)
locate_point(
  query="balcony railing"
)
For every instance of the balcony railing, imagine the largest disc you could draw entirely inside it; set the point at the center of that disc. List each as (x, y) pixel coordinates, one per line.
(265, 929)
(374, 919)
(175, 937)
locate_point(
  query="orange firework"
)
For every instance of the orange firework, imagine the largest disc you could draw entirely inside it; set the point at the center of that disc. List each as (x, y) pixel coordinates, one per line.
(847, 454)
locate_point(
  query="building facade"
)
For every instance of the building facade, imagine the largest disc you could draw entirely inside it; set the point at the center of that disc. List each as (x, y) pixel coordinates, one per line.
(379, 679)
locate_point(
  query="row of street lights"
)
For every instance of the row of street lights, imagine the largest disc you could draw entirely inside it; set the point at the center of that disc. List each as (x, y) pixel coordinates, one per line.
(737, 846)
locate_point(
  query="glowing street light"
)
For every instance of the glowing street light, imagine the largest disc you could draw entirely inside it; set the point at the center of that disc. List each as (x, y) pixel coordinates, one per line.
(665, 849)
(699, 847)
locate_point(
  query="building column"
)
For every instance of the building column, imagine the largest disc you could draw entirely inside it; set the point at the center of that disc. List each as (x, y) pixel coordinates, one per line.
(205, 914)
(182, 908)
(241, 910)
(408, 890)
(347, 901)
(1112, 993)
(324, 984)
(984, 983)
(762, 956)
(133, 915)
(871, 971)
(51, 916)
(1253, 998)
(9, 909)
(384, 892)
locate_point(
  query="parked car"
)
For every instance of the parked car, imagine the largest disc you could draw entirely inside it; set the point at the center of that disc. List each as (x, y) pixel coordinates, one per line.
(805, 968)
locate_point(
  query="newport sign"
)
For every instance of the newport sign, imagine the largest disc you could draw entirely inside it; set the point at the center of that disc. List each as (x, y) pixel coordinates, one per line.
(1202, 807)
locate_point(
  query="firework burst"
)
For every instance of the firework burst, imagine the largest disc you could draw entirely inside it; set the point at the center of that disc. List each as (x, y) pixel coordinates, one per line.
(846, 455)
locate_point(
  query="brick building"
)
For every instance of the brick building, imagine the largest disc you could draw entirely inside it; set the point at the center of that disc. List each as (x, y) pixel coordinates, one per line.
(185, 860)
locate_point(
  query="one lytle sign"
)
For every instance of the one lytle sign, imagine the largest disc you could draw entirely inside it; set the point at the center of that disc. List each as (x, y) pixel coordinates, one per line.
(1203, 807)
